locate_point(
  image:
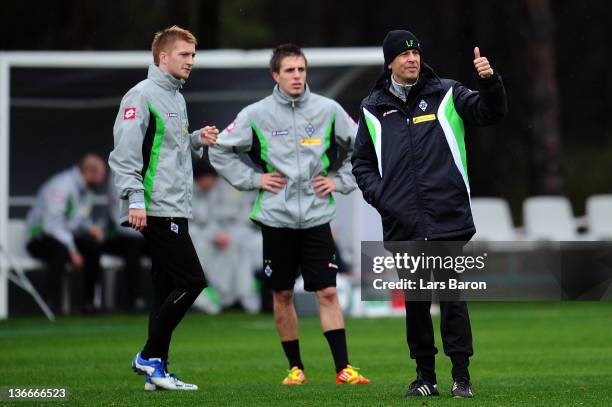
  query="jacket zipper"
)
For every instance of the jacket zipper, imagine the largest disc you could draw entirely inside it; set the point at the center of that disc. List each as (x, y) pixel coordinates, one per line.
(416, 176)
(297, 152)
(181, 137)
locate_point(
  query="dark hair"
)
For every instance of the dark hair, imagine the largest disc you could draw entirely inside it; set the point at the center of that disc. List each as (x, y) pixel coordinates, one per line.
(90, 161)
(283, 51)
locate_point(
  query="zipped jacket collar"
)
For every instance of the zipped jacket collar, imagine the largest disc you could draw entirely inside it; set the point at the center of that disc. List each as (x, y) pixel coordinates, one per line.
(163, 79)
(284, 99)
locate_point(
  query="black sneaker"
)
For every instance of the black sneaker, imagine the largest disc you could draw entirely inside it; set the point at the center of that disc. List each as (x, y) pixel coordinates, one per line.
(422, 388)
(462, 388)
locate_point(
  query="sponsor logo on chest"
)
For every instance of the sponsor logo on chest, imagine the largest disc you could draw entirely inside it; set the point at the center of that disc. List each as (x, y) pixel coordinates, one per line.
(424, 118)
(310, 142)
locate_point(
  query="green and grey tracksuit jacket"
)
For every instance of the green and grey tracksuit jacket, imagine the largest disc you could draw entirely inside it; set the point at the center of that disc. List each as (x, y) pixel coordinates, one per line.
(298, 138)
(151, 161)
(62, 209)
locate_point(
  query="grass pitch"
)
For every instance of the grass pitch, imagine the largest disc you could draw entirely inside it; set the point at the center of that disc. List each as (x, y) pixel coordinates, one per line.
(557, 354)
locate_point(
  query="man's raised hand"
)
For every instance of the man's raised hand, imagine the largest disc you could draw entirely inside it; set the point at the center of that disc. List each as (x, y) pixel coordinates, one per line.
(482, 64)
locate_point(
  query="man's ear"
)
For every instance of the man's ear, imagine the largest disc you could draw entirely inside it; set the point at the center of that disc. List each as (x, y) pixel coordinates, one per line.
(163, 57)
(275, 76)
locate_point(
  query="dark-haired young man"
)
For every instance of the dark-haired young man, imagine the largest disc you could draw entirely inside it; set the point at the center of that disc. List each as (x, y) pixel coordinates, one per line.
(292, 136)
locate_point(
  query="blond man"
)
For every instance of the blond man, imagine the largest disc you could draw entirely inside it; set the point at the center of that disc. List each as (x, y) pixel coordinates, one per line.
(151, 165)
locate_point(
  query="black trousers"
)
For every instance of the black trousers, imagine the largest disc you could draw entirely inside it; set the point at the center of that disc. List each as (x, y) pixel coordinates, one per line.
(56, 256)
(455, 329)
(177, 277)
(456, 336)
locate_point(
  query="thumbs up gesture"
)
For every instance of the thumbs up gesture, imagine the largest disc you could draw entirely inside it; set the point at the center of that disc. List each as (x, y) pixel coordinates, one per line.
(482, 64)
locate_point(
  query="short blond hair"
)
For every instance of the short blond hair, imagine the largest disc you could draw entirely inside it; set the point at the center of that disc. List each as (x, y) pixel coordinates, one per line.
(165, 39)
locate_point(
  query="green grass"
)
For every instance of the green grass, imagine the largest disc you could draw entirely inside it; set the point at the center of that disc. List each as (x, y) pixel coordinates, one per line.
(557, 354)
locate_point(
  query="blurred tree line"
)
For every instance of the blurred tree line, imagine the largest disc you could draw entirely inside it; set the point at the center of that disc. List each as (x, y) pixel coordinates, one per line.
(552, 55)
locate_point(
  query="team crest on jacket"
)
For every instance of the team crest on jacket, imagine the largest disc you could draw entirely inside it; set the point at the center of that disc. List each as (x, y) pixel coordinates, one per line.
(423, 105)
(309, 129)
(268, 270)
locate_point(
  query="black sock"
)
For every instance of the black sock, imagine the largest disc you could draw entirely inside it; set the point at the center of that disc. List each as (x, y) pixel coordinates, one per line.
(426, 367)
(460, 366)
(292, 351)
(165, 315)
(337, 343)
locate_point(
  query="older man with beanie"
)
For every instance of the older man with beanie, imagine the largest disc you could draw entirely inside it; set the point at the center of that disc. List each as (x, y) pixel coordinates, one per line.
(410, 163)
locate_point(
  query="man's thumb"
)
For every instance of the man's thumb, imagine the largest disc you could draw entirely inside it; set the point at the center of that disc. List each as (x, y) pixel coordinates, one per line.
(476, 52)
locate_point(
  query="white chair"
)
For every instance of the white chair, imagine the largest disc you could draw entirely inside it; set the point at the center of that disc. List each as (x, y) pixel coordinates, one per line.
(599, 216)
(549, 218)
(493, 220)
(18, 238)
(20, 261)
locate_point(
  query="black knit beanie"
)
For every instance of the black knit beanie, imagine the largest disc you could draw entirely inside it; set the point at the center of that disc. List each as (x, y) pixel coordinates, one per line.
(398, 41)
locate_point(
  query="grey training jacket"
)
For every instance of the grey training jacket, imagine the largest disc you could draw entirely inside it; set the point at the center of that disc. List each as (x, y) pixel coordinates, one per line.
(151, 161)
(62, 209)
(298, 138)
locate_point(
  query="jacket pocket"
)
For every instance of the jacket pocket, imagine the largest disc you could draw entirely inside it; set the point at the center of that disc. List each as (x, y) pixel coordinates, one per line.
(456, 177)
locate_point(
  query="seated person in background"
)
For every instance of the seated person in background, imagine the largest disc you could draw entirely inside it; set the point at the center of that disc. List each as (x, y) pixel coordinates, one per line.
(62, 230)
(131, 246)
(225, 241)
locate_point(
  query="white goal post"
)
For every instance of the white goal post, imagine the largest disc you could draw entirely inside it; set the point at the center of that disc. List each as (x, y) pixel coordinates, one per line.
(207, 59)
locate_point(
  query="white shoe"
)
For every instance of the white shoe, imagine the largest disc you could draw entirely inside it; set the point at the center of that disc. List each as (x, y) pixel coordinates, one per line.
(159, 378)
(148, 385)
(170, 382)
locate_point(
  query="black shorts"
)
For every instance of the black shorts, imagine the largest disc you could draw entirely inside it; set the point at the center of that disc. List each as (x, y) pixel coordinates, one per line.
(287, 252)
